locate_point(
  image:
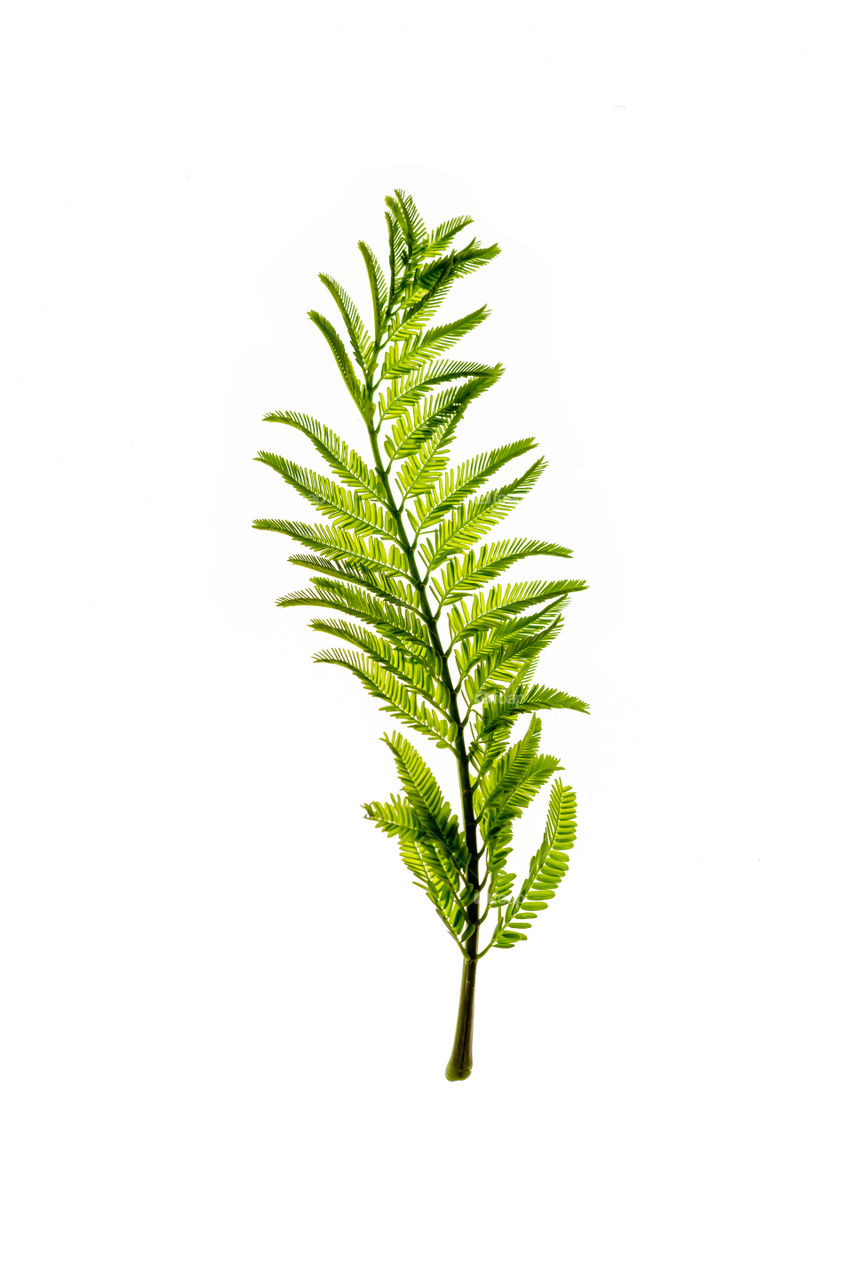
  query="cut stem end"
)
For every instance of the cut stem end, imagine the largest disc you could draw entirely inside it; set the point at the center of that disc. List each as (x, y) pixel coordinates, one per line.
(462, 1059)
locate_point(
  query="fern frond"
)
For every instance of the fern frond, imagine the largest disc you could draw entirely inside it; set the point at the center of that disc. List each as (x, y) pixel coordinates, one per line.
(412, 667)
(330, 333)
(438, 882)
(467, 524)
(393, 624)
(547, 868)
(415, 355)
(437, 241)
(344, 462)
(397, 698)
(445, 270)
(412, 429)
(344, 507)
(408, 389)
(342, 545)
(417, 308)
(424, 469)
(506, 662)
(459, 484)
(503, 792)
(401, 580)
(378, 284)
(515, 779)
(464, 574)
(432, 869)
(502, 603)
(407, 211)
(397, 592)
(362, 347)
(493, 720)
(397, 254)
(438, 822)
(491, 643)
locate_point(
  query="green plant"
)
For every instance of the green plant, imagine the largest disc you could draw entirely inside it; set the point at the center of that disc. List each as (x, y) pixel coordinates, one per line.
(448, 649)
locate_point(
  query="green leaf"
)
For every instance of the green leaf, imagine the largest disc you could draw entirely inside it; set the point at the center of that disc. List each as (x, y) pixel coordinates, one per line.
(488, 647)
(408, 218)
(362, 347)
(495, 717)
(411, 387)
(502, 603)
(342, 360)
(346, 464)
(438, 240)
(343, 546)
(415, 427)
(438, 822)
(459, 484)
(397, 253)
(394, 591)
(397, 698)
(411, 667)
(378, 286)
(507, 662)
(466, 524)
(433, 869)
(400, 544)
(548, 866)
(465, 574)
(344, 507)
(394, 624)
(445, 270)
(415, 355)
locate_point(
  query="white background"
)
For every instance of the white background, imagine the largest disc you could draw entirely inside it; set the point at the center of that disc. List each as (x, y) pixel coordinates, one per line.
(226, 1012)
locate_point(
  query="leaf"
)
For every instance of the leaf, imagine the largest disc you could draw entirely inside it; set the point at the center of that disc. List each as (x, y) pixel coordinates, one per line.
(503, 791)
(411, 387)
(495, 717)
(362, 347)
(409, 219)
(467, 524)
(438, 240)
(459, 484)
(344, 507)
(409, 667)
(507, 662)
(413, 429)
(466, 573)
(444, 270)
(397, 699)
(548, 866)
(394, 624)
(416, 354)
(490, 645)
(437, 820)
(378, 286)
(401, 542)
(396, 253)
(502, 603)
(342, 545)
(432, 868)
(395, 591)
(425, 469)
(342, 360)
(346, 464)
(513, 782)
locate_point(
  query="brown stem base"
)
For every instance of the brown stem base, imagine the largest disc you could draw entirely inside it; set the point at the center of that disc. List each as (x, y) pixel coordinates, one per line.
(461, 1059)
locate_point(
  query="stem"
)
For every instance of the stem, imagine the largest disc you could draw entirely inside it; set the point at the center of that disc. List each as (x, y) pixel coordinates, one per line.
(461, 1059)
(459, 1067)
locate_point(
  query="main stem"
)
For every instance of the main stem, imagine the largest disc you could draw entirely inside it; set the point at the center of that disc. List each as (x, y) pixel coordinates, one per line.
(461, 1058)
